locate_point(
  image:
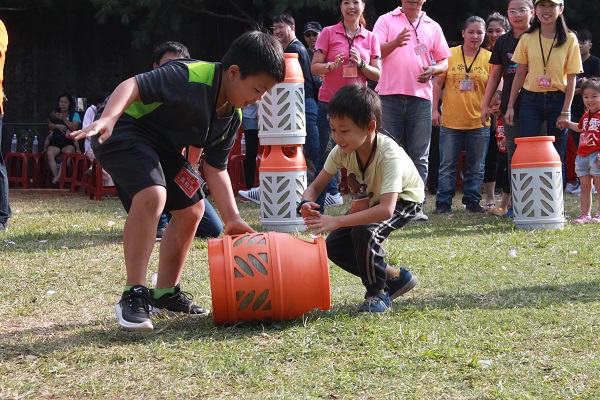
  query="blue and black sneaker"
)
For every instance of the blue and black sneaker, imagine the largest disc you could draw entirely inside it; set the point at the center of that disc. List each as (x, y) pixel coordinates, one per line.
(396, 287)
(378, 303)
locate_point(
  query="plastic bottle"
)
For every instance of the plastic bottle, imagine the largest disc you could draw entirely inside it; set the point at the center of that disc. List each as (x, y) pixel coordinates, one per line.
(34, 148)
(243, 144)
(13, 144)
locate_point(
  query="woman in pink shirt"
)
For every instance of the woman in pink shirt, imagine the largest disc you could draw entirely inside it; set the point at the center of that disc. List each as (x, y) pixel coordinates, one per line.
(345, 53)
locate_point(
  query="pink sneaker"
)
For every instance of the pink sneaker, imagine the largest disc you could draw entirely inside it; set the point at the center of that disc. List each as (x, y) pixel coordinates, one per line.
(596, 218)
(582, 219)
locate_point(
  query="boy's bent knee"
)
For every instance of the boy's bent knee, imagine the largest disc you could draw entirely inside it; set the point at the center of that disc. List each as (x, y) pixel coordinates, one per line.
(152, 197)
(191, 213)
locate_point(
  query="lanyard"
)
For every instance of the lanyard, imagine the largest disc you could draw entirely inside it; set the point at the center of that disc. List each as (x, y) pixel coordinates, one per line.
(545, 60)
(360, 166)
(350, 42)
(590, 116)
(468, 69)
(418, 23)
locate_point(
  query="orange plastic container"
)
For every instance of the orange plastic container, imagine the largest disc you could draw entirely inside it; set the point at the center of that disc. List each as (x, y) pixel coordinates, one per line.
(293, 71)
(268, 276)
(536, 182)
(282, 158)
(535, 152)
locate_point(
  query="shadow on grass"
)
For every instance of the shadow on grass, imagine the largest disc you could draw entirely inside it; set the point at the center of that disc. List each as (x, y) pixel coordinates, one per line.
(40, 341)
(74, 239)
(541, 296)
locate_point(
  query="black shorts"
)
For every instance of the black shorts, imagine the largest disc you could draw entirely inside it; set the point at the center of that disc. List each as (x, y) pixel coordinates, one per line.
(136, 165)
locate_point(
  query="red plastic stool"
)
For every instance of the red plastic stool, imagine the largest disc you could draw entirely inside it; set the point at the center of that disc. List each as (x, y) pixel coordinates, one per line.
(68, 171)
(235, 169)
(18, 169)
(82, 164)
(39, 169)
(95, 187)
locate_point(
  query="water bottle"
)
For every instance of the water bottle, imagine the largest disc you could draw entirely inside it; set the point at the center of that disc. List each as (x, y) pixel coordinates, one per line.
(34, 148)
(243, 144)
(13, 144)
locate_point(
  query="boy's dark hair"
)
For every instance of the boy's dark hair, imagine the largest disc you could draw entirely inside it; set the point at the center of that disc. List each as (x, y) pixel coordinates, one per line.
(583, 35)
(285, 18)
(357, 102)
(256, 52)
(170, 47)
(70, 98)
(591, 83)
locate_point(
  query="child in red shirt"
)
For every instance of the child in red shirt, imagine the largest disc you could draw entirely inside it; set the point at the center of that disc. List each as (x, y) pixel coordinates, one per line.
(502, 171)
(587, 163)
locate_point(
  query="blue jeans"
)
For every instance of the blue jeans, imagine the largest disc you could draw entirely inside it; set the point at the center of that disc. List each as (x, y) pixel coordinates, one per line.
(539, 107)
(475, 142)
(311, 143)
(408, 118)
(5, 212)
(210, 225)
(325, 146)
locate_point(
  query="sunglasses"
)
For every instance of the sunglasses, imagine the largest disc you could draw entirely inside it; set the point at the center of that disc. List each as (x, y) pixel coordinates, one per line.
(311, 34)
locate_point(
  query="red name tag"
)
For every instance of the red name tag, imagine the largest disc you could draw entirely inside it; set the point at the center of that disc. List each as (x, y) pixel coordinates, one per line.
(187, 181)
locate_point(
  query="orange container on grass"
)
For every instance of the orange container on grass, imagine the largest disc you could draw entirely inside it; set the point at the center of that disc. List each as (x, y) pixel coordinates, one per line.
(267, 277)
(536, 181)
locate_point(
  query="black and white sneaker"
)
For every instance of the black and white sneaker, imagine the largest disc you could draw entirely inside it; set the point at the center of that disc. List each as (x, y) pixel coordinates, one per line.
(252, 195)
(133, 310)
(178, 302)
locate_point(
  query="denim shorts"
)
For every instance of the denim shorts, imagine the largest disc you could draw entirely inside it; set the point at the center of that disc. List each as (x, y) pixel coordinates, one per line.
(587, 165)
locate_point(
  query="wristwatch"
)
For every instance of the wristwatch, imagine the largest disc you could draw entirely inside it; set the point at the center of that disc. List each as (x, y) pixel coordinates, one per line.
(328, 66)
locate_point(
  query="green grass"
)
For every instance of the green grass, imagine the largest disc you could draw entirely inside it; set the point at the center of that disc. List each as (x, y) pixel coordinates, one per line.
(480, 325)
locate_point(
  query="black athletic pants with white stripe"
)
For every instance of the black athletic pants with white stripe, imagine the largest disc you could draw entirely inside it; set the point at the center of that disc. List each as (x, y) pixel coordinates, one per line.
(357, 249)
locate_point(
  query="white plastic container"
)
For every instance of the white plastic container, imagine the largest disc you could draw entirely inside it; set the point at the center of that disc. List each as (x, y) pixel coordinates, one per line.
(283, 179)
(281, 112)
(536, 181)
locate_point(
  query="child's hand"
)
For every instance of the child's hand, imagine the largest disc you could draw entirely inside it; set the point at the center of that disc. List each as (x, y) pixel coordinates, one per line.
(102, 126)
(309, 209)
(322, 223)
(237, 227)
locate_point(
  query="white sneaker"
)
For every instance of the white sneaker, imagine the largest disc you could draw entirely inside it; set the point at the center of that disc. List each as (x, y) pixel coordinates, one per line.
(571, 188)
(577, 191)
(594, 191)
(334, 200)
(253, 195)
(421, 217)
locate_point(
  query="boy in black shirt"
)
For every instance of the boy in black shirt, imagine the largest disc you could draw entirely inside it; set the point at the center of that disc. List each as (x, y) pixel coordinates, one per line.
(147, 121)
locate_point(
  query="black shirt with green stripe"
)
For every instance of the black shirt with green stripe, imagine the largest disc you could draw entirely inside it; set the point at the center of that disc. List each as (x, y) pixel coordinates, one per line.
(177, 109)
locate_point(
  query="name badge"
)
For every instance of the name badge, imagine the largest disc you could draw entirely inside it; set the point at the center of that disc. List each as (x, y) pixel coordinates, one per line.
(350, 71)
(544, 81)
(420, 49)
(187, 180)
(467, 85)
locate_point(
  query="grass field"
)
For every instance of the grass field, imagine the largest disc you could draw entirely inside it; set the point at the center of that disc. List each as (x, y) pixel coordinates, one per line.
(480, 324)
